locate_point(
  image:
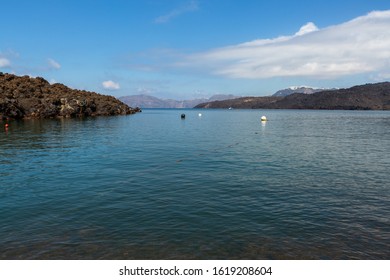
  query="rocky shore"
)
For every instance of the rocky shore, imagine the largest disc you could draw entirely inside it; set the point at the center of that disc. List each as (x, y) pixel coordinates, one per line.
(26, 97)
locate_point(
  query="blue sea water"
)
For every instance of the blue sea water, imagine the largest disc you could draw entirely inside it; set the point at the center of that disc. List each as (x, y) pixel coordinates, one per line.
(223, 185)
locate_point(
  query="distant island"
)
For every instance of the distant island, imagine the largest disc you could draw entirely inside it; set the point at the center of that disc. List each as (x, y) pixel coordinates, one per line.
(149, 101)
(362, 97)
(26, 97)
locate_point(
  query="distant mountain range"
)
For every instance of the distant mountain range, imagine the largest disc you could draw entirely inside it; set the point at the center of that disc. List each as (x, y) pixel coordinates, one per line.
(148, 101)
(363, 97)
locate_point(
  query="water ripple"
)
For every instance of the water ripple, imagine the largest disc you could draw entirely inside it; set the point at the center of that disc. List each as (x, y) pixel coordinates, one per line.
(305, 185)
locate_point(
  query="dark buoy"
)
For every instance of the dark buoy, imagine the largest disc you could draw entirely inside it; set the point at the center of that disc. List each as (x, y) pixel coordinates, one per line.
(183, 116)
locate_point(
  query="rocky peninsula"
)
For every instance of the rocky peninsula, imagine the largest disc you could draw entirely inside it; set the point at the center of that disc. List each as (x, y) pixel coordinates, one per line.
(26, 97)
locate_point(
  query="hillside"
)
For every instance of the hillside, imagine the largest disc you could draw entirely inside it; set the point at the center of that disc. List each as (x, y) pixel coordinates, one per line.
(242, 103)
(363, 97)
(26, 97)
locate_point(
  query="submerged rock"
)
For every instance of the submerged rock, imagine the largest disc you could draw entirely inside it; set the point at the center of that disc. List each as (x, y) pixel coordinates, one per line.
(26, 97)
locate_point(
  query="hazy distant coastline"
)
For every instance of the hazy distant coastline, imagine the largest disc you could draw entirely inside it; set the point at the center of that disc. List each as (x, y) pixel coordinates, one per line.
(26, 97)
(148, 101)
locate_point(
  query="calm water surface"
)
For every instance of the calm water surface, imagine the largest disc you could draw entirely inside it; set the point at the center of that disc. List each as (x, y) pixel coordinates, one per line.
(304, 185)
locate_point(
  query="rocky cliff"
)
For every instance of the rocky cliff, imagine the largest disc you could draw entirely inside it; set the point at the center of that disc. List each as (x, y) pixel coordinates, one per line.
(26, 97)
(363, 97)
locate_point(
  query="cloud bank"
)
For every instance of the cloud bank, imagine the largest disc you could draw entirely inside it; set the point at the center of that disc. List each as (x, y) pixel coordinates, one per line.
(361, 45)
(110, 85)
(189, 7)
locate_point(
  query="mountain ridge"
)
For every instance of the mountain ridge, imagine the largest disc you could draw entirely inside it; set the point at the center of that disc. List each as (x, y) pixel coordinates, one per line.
(298, 89)
(362, 97)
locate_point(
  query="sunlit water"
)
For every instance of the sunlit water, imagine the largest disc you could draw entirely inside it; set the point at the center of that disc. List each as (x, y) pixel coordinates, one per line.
(304, 185)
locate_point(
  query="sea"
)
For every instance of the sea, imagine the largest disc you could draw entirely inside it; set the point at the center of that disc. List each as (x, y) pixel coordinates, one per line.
(218, 184)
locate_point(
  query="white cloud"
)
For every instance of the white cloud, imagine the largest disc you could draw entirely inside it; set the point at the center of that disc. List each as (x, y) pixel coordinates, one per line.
(307, 28)
(361, 45)
(110, 85)
(53, 64)
(4, 62)
(191, 6)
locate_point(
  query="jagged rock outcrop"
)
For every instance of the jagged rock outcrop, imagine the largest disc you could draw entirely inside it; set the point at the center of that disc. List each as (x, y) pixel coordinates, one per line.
(26, 97)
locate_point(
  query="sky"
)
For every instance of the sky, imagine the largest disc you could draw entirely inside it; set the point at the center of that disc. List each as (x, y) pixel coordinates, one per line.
(185, 49)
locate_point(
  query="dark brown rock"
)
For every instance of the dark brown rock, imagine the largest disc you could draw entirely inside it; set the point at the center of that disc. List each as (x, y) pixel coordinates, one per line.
(25, 97)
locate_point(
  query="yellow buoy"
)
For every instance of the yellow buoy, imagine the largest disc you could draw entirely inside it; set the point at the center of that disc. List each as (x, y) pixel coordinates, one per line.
(263, 118)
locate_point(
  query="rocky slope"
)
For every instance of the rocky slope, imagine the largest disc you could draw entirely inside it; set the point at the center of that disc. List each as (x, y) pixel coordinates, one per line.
(363, 97)
(26, 97)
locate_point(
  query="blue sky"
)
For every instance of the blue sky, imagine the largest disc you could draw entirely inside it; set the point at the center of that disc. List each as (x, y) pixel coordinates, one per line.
(196, 48)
